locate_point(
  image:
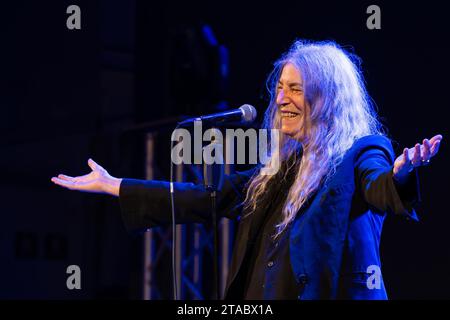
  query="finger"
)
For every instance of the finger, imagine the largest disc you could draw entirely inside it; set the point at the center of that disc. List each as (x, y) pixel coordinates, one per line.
(72, 185)
(65, 177)
(406, 155)
(416, 157)
(437, 137)
(63, 183)
(426, 153)
(74, 179)
(94, 165)
(406, 160)
(435, 148)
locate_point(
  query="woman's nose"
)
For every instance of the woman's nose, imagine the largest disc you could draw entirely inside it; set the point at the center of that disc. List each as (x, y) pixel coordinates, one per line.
(282, 98)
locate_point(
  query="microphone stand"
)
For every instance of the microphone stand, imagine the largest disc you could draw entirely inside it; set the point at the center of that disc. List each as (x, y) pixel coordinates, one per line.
(216, 287)
(213, 179)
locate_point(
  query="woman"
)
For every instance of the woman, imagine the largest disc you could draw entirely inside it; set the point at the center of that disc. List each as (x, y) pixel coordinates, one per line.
(311, 231)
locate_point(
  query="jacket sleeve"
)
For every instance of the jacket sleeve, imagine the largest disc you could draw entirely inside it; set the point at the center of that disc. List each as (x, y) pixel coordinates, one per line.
(146, 203)
(374, 172)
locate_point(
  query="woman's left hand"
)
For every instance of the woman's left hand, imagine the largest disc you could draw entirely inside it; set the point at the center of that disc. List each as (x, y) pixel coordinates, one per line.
(420, 155)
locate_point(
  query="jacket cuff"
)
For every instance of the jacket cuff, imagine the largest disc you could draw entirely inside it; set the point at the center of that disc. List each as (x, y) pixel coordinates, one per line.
(129, 202)
(408, 194)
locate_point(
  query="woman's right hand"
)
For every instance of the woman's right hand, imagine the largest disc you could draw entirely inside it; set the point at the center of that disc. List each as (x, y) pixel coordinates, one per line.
(97, 181)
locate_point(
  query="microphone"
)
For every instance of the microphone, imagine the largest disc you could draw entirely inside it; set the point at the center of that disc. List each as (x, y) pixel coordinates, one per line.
(244, 114)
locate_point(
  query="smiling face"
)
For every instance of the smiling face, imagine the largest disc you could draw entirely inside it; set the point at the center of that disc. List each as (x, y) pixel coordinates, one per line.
(290, 100)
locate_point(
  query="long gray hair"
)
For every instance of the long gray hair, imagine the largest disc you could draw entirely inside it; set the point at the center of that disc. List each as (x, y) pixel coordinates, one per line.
(341, 112)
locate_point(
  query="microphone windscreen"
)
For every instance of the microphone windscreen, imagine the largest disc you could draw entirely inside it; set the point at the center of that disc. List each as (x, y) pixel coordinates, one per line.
(248, 113)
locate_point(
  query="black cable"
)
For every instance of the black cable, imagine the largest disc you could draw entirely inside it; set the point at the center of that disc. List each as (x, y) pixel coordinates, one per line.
(174, 235)
(216, 293)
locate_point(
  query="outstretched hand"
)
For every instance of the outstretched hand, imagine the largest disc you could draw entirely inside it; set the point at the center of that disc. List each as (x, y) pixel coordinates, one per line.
(97, 181)
(419, 155)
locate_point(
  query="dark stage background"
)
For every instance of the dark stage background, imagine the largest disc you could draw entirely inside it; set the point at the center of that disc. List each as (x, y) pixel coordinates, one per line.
(67, 95)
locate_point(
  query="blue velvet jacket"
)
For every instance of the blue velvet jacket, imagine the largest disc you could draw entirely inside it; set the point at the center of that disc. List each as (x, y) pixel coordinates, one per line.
(334, 244)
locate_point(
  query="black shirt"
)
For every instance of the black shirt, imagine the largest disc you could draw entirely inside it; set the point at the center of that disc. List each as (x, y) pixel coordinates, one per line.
(269, 272)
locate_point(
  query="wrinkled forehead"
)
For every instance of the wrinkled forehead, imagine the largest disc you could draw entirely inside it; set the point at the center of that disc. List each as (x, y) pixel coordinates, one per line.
(290, 74)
